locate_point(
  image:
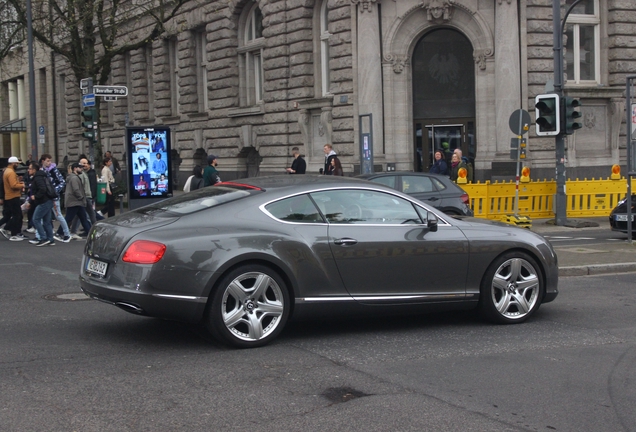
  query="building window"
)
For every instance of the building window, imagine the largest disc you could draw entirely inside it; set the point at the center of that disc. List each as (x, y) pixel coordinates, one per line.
(324, 47)
(173, 58)
(251, 43)
(202, 70)
(582, 50)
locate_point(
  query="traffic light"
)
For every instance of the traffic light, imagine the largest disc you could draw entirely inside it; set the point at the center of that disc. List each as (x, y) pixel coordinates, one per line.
(88, 124)
(571, 115)
(547, 113)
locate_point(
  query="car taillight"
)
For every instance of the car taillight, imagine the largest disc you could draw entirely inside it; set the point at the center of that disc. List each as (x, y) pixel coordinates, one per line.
(144, 252)
(465, 199)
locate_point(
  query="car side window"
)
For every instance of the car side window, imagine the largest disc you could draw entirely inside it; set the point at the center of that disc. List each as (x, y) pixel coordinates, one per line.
(385, 180)
(357, 206)
(438, 184)
(295, 209)
(415, 184)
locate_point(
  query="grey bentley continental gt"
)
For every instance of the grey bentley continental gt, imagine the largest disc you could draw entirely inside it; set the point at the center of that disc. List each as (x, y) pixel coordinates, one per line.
(245, 257)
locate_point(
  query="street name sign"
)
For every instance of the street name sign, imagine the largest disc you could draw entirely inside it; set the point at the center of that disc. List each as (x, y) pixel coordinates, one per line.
(119, 91)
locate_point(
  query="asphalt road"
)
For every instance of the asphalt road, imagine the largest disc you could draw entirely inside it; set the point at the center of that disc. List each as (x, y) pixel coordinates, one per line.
(83, 365)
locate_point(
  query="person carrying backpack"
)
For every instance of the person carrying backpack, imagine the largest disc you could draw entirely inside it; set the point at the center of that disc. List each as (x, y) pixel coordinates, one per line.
(46, 163)
(43, 196)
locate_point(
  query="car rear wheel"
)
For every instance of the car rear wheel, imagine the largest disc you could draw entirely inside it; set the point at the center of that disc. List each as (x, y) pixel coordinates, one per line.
(249, 308)
(512, 289)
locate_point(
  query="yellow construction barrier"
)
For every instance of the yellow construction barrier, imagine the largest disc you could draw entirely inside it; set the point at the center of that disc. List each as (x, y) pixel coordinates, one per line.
(585, 198)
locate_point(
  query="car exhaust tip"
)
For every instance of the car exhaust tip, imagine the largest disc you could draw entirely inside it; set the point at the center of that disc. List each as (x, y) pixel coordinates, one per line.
(130, 308)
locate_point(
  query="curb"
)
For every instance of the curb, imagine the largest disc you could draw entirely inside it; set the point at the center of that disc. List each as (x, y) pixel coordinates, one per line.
(596, 269)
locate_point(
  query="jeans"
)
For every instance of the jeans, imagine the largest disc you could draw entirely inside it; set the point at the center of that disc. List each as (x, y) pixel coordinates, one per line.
(42, 220)
(90, 211)
(80, 212)
(57, 212)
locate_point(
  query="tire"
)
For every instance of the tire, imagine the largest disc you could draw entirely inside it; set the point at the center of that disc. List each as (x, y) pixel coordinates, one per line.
(512, 289)
(249, 307)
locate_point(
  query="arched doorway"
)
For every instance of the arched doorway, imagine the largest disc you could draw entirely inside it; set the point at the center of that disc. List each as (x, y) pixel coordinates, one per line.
(443, 96)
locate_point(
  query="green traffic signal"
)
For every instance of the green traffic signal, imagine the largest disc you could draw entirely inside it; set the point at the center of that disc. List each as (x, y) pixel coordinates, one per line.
(89, 116)
(571, 115)
(547, 114)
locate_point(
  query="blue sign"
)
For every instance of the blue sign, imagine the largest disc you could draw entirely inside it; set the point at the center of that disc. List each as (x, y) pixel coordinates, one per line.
(88, 100)
(41, 130)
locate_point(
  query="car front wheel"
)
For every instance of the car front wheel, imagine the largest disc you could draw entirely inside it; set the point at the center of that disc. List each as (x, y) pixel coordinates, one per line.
(512, 289)
(249, 308)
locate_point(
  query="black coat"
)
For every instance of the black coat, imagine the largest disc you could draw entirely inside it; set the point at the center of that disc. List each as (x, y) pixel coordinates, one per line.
(38, 187)
(299, 166)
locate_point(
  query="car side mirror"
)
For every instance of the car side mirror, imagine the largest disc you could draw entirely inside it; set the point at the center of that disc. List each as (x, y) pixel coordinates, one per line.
(431, 221)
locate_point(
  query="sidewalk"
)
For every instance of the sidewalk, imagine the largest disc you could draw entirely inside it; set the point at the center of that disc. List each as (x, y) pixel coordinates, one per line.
(614, 256)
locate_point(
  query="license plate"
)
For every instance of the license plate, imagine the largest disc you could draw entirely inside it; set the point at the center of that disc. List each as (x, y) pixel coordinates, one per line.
(96, 267)
(622, 218)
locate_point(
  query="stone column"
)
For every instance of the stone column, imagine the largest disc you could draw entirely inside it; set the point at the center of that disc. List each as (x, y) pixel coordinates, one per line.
(507, 69)
(370, 69)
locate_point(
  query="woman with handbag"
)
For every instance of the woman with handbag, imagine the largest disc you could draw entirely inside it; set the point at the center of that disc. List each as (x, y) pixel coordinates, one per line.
(107, 176)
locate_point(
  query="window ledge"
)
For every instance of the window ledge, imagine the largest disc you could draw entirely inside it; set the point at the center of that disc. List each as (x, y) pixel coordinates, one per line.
(246, 111)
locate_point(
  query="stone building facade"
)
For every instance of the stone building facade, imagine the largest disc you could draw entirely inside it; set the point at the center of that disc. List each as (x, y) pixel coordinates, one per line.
(248, 80)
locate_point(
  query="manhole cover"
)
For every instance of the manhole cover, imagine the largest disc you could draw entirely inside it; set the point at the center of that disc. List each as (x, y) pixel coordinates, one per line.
(342, 394)
(67, 297)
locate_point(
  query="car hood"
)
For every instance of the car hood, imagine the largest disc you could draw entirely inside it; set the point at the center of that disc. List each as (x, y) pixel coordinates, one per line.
(622, 206)
(108, 238)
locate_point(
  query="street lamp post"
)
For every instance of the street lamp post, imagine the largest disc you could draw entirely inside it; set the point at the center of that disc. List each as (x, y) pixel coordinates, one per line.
(34, 142)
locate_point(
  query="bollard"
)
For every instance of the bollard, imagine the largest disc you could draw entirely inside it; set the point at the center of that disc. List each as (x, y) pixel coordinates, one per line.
(121, 203)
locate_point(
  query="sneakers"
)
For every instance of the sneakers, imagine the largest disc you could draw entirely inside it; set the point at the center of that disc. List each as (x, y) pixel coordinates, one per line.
(31, 230)
(34, 241)
(64, 239)
(75, 237)
(52, 244)
(99, 212)
(43, 243)
(5, 233)
(22, 236)
(16, 238)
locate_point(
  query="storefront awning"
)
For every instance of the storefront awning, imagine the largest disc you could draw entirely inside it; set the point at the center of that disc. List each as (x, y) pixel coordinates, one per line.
(17, 125)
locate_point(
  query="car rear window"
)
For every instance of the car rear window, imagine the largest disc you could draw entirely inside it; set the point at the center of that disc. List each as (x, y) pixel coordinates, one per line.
(200, 199)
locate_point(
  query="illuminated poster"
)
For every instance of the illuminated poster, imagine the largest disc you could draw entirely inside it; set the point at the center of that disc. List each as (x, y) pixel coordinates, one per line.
(149, 162)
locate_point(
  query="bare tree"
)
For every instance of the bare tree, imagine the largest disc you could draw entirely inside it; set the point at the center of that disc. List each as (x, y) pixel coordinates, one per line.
(11, 31)
(88, 33)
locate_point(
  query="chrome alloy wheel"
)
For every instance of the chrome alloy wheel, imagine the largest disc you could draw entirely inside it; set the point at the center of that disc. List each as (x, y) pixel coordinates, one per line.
(252, 306)
(515, 288)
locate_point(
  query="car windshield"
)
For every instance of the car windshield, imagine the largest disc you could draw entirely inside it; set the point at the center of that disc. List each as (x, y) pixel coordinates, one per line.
(198, 200)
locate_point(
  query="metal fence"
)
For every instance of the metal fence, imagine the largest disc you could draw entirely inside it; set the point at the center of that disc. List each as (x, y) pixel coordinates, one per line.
(585, 198)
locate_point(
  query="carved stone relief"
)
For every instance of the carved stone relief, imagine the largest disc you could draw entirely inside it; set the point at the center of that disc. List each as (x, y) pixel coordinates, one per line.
(326, 120)
(480, 57)
(439, 10)
(398, 62)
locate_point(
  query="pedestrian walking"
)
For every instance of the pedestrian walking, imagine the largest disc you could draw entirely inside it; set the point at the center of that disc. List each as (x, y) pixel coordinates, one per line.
(57, 179)
(42, 196)
(298, 166)
(329, 155)
(75, 198)
(109, 179)
(210, 174)
(13, 186)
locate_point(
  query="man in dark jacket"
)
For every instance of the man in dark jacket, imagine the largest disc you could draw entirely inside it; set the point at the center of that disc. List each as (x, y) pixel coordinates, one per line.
(298, 166)
(44, 206)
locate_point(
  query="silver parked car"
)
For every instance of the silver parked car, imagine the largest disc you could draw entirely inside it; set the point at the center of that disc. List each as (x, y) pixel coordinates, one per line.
(433, 189)
(244, 257)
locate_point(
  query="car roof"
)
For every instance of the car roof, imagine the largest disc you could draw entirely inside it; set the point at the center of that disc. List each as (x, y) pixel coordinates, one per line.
(397, 173)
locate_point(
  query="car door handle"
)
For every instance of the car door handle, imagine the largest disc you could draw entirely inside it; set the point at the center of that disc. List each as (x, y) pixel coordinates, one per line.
(345, 241)
(432, 199)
